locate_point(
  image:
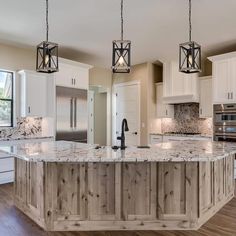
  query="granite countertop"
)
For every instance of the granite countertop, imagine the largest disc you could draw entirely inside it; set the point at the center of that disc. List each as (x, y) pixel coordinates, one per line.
(25, 138)
(174, 151)
(182, 135)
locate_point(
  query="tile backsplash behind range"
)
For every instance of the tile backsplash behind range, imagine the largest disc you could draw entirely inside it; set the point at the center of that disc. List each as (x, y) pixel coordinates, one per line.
(27, 127)
(187, 121)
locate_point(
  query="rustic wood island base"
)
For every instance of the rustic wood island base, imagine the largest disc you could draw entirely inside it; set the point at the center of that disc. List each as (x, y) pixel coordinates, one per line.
(91, 196)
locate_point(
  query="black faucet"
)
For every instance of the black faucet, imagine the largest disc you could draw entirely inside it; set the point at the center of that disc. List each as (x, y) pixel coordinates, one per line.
(124, 128)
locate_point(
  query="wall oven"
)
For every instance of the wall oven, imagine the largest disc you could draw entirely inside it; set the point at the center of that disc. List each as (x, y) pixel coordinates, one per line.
(225, 122)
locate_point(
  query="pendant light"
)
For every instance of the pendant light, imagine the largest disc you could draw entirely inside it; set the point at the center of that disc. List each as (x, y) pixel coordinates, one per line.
(190, 52)
(121, 51)
(47, 53)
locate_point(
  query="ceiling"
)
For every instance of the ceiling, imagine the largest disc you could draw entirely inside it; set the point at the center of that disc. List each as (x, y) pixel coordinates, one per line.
(85, 29)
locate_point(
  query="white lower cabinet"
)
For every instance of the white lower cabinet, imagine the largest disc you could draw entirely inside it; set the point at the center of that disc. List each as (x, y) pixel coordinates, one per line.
(162, 110)
(155, 139)
(6, 170)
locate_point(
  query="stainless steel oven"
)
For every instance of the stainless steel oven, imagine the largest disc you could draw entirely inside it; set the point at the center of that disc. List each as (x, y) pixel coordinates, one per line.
(225, 122)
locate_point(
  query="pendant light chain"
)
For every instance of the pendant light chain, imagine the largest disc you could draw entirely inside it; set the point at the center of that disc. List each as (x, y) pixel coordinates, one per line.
(47, 25)
(190, 20)
(122, 20)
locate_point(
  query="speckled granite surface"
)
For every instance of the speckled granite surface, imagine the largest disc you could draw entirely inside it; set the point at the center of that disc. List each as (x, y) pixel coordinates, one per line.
(176, 151)
(26, 128)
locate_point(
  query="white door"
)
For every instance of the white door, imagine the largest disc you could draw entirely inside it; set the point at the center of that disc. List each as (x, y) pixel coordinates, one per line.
(128, 107)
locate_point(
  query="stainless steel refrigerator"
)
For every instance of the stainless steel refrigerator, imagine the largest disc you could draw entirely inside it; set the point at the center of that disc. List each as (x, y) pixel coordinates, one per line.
(72, 114)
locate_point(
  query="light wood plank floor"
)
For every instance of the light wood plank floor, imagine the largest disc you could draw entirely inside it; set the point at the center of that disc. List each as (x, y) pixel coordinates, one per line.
(15, 223)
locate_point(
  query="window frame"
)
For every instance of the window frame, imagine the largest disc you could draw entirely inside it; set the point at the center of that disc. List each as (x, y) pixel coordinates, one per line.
(9, 100)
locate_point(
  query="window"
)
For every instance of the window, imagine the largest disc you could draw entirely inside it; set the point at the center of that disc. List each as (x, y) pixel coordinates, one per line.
(6, 99)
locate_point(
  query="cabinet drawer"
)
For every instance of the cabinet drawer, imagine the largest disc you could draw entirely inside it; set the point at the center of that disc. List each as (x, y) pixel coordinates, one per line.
(6, 164)
(155, 139)
(7, 177)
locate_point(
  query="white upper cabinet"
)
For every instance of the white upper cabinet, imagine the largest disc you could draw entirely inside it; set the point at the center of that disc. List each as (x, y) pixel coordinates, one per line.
(206, 104)
(177, 86)
(72, 74)
(33, 93)
(224, 78)
(162, 110)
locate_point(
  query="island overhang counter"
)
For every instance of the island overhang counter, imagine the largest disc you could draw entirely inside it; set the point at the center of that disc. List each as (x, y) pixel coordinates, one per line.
(68, 186)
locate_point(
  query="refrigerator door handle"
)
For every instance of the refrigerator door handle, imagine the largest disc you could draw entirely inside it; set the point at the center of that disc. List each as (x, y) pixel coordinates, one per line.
(71, 112)
(75, 112)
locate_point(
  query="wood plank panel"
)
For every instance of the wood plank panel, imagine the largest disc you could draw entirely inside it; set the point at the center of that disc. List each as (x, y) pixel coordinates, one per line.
(20, 179)
(139, 191)
(102, 191)
(206, 186)
(219, 181)
(171, 190)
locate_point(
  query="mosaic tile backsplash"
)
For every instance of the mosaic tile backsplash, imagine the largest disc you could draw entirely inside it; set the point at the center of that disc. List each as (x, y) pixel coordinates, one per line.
(27, 127)
(187, 121)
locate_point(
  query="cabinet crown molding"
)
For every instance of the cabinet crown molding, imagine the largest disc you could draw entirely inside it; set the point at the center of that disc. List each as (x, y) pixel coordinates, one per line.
(222, 56)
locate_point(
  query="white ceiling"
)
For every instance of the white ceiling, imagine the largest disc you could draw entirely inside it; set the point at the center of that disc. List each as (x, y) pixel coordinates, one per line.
(85, 29)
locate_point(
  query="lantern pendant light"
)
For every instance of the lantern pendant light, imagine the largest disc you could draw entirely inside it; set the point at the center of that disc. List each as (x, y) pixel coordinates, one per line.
(121, 51)
(190, 52)
(47, 53)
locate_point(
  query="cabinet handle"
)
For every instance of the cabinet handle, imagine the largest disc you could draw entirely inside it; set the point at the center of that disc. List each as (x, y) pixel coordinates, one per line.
(167, 112)
(228, 96)
(201, 111)
(29, 109)
(232, 95)
(72, 81)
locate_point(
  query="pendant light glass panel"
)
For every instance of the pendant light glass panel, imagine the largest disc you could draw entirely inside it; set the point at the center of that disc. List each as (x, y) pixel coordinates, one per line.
(121, 56)
(190, 57)
(47, 53)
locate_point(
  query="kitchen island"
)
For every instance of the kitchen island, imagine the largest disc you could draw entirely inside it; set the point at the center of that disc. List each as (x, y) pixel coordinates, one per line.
(67, 186)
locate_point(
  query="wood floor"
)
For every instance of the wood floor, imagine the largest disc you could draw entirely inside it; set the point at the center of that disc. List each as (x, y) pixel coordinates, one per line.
(15, 223)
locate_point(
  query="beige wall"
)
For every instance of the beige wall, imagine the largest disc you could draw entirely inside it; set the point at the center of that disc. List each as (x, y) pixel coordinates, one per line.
(100, 77)
(14, 58)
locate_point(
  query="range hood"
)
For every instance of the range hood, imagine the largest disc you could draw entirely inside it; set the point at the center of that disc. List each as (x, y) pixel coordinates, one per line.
(179, 99)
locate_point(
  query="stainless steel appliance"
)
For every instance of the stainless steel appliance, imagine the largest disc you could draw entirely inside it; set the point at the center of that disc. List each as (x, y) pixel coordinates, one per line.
(225, 122)
(72, 114)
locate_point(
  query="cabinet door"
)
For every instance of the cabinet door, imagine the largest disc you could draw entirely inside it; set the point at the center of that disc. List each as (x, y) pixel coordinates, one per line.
(178, 80)
(81, 76)
(162, 110)
(35, 95)
(206, 106)
(232, 80)
(221, 81)
(65, 76)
